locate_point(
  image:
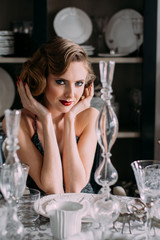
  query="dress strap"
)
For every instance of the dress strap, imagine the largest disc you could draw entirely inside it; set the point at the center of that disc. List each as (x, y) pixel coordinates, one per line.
(35, 123)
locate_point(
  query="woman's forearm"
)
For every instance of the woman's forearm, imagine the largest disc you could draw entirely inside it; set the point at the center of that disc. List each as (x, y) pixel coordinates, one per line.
(75, 176)
(51, 173)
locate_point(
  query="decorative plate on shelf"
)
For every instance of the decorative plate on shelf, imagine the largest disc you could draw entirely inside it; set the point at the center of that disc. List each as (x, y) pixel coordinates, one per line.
(7, 91)
(74, 24)
(119, 34)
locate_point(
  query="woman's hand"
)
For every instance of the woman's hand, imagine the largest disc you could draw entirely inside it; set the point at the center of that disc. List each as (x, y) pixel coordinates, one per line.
(84, 102)
(29, 102)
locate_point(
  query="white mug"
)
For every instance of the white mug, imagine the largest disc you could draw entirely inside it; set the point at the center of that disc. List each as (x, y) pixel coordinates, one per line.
(65, 218)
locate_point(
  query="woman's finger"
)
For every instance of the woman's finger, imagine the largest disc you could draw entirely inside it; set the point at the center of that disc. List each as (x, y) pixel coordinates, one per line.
(28, 93)
(91, 90)
(21, 91)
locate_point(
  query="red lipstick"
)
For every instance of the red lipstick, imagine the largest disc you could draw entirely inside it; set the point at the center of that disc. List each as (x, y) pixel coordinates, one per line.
(66, 103)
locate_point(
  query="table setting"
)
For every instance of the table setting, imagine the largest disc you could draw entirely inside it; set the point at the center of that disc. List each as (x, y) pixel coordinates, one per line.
(129, 224)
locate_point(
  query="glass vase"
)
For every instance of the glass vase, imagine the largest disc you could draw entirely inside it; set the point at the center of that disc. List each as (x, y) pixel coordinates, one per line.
(13, 177)
(107, 208)
(107, 129)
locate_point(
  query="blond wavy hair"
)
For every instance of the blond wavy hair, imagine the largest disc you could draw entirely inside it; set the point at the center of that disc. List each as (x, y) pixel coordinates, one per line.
(53, 58)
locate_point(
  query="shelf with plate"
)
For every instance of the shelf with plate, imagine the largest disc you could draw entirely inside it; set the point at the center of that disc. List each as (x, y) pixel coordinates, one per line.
(117, 59)
(92, 59)
(129, 134)
(13, 59)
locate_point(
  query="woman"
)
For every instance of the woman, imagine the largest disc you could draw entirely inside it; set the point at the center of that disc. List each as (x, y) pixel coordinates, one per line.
(57, 129)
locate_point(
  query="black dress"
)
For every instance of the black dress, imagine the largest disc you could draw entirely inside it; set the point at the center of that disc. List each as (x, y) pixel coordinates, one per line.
(91, 187)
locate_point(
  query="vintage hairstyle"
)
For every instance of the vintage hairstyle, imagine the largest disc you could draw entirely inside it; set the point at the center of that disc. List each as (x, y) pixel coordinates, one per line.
(53, 58)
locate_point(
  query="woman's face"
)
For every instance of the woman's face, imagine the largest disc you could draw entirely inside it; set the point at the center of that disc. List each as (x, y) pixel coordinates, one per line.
(63, 92)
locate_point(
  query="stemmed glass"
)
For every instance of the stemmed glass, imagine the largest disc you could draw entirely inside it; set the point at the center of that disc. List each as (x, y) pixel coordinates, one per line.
(107, 208)
(137, 25)
(12, 176)
(147, 175)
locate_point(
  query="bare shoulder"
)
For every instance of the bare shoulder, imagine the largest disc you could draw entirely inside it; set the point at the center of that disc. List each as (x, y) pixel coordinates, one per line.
(89, 113)
(27, 122)
(86, 118)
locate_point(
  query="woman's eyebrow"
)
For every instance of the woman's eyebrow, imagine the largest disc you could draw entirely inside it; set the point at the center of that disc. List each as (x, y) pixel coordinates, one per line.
(64, 79)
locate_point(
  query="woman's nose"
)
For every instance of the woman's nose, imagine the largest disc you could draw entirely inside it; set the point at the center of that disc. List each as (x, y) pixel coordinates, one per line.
(69, 93)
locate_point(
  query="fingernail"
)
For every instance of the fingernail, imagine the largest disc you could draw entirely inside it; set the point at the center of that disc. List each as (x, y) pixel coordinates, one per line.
(16, 82)
(25, 83)
(18, 78)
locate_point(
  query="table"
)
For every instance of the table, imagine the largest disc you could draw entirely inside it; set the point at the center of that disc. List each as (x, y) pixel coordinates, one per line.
(41, 231)
(130, 225)
(126, 224)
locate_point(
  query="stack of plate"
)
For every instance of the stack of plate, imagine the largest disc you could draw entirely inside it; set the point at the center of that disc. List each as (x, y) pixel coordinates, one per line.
(88, 49)
(6, 43)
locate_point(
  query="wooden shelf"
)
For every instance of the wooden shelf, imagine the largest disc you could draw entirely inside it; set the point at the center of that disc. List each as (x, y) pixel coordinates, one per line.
(13, 59)
(128, 134)
(116, 59)
(92, 59)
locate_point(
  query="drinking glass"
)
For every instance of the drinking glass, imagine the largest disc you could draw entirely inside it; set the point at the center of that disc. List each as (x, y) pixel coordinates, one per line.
(147, 175)
(106, 211)
(26, 213)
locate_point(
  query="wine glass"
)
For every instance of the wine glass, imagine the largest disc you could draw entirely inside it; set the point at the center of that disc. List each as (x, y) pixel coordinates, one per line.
(147, 175)
(137, 25)
(106, 211)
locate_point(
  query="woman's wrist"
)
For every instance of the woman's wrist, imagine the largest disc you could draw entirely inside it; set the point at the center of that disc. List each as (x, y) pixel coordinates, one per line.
(69, 117)
(46, 120)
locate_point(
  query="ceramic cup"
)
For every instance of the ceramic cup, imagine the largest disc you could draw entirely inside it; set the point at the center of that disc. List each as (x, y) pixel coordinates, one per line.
(65, 218)
(26, 212)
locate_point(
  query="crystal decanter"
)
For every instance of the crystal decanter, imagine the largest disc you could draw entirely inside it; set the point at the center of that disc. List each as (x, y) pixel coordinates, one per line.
(107, 129)
(107, 207)
(12, 182)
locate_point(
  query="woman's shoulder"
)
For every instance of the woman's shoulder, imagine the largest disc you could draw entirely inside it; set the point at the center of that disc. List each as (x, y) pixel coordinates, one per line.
(27, 121)
(89, 113)
(86, 118)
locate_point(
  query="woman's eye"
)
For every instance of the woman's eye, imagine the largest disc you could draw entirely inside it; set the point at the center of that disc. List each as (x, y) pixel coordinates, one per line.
(79, 84)
(60, 82)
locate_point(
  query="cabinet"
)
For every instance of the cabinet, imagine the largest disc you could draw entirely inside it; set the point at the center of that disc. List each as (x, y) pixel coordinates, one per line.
(130, 72)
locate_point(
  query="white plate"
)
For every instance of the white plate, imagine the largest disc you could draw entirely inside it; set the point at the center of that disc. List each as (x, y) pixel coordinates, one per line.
(74, 24)
(119, 32)
(7, 91)
(44, 205)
